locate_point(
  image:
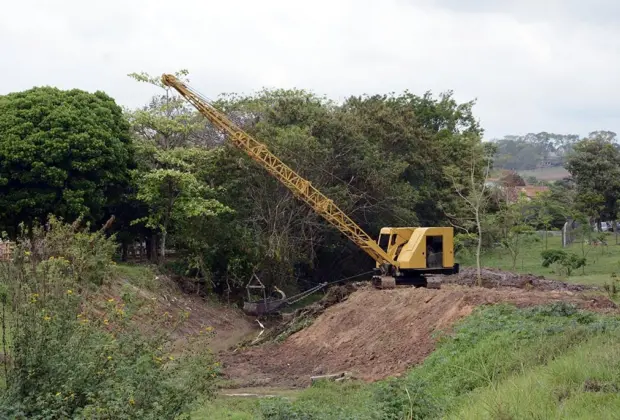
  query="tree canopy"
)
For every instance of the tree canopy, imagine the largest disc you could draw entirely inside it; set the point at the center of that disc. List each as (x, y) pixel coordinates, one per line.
(61, 152)
(595, 167)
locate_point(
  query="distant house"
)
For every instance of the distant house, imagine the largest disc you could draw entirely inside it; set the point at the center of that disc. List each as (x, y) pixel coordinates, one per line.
(530, 192)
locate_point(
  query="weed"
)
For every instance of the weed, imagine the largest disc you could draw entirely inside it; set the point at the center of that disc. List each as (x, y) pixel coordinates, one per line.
(73, 353)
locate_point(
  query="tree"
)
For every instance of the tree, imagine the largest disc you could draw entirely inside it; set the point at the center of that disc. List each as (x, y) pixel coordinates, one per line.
(166, 180)
(604, 135)
(168, 121)
(66, 153)
(547, 211)
(473, 192)
(595, 167)
(516, 230)
(567, 261)
(512, 179)
(173, 193)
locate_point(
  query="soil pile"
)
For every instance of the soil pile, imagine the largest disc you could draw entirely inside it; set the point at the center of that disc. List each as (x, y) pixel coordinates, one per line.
(493, 278)
(379, 333)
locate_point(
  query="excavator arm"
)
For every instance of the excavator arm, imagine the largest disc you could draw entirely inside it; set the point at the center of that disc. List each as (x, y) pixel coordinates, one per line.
(299, 186)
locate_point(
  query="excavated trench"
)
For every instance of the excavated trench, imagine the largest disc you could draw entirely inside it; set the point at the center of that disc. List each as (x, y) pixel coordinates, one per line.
(379, 333)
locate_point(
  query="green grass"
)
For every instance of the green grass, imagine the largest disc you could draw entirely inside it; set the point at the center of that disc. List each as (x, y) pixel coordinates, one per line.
(228, 408)
(581, 384)
(141, 276)
(546, 174)
(601, 262)
(500, 362)
(324, 400)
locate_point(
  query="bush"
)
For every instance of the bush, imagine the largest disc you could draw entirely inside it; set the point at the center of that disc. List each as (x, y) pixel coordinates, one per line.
(565, 261)
(397, 399)
(72, 353)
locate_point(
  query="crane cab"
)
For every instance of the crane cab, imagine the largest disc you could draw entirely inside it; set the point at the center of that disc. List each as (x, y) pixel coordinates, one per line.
(418, 252)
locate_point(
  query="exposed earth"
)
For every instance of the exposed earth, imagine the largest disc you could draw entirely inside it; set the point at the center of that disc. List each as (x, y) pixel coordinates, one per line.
(375, 334)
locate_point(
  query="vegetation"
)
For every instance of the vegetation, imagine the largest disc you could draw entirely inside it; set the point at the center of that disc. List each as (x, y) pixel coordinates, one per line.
(69, 160)
(485, 369)
(71, 353)
(65, 153)
(177, 185)
(600, 263)
(534, 151)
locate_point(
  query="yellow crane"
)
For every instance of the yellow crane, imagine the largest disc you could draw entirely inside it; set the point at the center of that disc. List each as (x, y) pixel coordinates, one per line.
(403, 255)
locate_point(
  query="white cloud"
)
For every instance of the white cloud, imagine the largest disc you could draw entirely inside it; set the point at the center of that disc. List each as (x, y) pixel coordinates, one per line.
(550, 68)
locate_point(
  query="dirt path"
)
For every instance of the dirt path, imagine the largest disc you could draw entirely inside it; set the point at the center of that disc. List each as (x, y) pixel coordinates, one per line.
(379, 333)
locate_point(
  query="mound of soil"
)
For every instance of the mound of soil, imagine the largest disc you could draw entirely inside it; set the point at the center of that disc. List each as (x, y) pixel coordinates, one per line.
(493, 278)
(378, 333)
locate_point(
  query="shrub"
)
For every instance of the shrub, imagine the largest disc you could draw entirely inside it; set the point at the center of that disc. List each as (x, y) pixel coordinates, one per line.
(566, 261)
(404, 399)
(72, 353)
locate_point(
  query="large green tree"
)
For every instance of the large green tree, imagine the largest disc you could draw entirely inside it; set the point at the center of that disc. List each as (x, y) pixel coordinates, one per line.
(170, 180)
(595, 167)
(62, 152)
(380, 158)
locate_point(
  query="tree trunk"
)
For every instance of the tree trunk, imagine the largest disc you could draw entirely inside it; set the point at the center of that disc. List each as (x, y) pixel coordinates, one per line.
(162, 255)
(478, 273)
(153, 247)
(124, 248)
(148, 241)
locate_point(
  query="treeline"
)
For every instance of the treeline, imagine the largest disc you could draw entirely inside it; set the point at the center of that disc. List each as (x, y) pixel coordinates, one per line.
(173, 182)
(536, 150)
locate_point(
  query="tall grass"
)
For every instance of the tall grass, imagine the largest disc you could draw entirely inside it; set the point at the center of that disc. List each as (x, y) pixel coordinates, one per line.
(583, 383)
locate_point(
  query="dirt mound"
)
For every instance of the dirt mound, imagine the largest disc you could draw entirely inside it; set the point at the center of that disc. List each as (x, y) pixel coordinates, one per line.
(493, 278)
(290, 323)
(377, 333)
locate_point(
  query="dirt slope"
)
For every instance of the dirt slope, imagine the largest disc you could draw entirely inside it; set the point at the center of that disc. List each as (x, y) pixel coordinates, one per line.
(230, 324)
(379, 333)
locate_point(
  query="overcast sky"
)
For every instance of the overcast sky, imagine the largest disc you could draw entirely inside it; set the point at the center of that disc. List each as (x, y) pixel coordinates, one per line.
(544, 65)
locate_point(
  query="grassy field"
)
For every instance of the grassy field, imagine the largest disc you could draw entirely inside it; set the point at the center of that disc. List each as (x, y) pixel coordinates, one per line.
(501, 363)
(601, 261)
(546, 174)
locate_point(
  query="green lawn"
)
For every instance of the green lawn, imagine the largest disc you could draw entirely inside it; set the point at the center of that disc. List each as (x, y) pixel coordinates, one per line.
(546, 174)
(601, 261)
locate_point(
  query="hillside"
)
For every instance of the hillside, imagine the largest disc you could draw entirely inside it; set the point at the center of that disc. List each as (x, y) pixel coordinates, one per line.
(450, 348)
(346, 338)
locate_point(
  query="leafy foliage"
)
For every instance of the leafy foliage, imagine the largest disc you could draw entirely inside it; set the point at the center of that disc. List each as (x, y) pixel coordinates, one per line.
(72, 353)
(61, 152)
(595, 167)
(567, 261)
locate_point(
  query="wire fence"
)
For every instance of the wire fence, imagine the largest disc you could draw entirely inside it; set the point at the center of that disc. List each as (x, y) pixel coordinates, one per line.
(6, 251)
